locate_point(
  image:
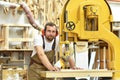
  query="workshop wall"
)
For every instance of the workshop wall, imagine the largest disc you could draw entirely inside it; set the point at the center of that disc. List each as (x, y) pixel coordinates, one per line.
(115, 7)
(12, 17)
(43, 11)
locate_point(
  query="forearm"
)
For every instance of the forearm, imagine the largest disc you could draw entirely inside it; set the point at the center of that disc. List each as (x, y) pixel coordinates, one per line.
(71, 62)
(43, 58)
(46, 62)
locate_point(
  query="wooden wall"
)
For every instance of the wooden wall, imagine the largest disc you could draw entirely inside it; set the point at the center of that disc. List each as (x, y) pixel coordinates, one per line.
(43, 10)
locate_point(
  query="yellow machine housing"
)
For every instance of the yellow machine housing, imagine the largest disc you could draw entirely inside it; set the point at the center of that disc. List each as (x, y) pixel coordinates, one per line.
(90, 20)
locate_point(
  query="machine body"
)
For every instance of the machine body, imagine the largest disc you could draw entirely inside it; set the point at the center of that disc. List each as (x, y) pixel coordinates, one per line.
(91, 21)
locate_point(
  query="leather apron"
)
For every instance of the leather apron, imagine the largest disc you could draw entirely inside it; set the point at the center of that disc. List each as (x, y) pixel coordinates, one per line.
(36, 66)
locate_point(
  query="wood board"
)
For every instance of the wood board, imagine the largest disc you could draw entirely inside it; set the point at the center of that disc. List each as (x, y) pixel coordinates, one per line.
(77, 73)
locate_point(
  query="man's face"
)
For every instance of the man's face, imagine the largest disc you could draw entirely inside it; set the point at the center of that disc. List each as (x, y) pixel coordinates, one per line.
(50, 33)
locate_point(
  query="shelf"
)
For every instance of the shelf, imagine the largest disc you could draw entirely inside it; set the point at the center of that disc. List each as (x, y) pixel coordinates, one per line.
(21, 39)
(13, 36)
(1, 39)
(5, 57)
(114, 2)
(30, 50)
(116, 28)
(17, 60)
(16, 41)
(15, 25)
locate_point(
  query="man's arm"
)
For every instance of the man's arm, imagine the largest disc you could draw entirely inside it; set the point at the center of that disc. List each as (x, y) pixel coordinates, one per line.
(71, 62)
(44, 59)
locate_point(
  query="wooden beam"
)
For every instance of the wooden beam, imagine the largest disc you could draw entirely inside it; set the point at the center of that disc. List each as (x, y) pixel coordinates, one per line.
(21, 39)
(77, 73)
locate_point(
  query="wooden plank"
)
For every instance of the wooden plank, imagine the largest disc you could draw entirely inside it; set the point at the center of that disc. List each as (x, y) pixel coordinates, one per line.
(21, 39)
(77, 73)
(114, 0)
(16, 25)
(1, 39)
(6, 37)
(25, 50)
(116, 28)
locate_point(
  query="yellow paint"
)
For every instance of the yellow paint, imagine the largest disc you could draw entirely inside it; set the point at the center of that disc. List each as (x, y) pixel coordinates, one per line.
(92, 22)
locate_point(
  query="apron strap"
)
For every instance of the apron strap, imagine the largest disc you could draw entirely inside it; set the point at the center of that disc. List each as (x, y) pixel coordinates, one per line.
(43, 42)
(53, 46)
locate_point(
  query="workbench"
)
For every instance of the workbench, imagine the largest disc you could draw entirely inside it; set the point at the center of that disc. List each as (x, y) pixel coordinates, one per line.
(67, 73)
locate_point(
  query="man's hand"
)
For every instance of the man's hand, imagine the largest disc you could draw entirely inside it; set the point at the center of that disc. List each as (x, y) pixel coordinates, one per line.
(76, 68)
(56, 68)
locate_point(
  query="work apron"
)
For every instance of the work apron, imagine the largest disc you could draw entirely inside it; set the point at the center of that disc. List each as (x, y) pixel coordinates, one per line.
(36, 66)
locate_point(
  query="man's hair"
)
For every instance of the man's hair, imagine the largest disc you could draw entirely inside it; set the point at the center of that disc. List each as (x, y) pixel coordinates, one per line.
(49, 24)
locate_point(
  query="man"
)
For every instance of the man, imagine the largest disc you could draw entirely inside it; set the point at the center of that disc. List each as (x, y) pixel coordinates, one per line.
(44, 48)
(42, 58)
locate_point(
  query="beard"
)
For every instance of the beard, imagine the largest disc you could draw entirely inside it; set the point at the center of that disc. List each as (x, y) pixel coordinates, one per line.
(50, 37)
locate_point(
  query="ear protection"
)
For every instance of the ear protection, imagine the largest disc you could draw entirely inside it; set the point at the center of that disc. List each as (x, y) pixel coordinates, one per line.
(43, 32)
